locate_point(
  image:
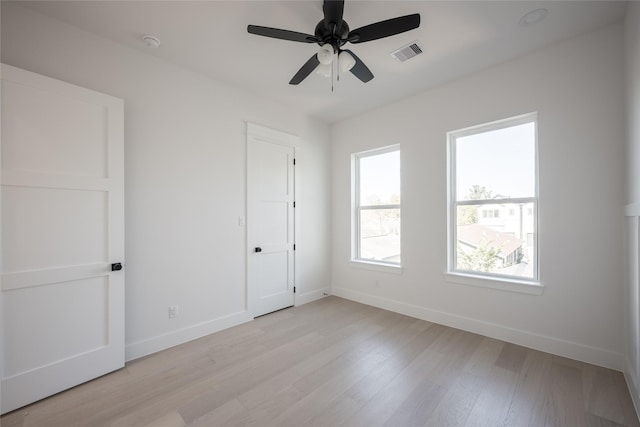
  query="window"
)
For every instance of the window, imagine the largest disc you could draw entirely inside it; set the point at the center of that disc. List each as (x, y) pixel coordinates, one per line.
(376, 177)
(490, 213)
(492, 172)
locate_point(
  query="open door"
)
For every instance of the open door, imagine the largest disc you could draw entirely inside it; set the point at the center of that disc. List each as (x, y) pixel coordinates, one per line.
(62, 236)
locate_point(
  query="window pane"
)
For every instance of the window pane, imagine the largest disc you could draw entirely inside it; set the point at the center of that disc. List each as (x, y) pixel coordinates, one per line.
(380, 235)
(380, 179)
(496, 164)
(492, 240)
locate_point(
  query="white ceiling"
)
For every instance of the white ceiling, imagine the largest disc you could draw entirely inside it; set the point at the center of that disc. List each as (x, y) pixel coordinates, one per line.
(210, 37)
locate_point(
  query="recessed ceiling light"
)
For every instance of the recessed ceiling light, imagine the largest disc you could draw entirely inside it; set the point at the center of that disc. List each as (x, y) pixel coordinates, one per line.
(533, 17)
(151, 41)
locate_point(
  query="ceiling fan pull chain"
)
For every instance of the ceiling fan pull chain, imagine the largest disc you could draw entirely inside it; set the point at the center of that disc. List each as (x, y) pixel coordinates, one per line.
(332, 79)
(332, 74)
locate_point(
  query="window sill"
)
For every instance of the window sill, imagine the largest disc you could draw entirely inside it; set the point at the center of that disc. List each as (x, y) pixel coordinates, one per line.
(509, 285)
(377, 266)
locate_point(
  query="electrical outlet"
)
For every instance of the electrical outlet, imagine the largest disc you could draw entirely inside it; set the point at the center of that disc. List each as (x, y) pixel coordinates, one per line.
(173, 311)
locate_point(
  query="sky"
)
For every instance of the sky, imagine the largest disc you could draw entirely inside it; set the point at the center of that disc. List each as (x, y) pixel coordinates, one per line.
(380, 175)
(502, 160)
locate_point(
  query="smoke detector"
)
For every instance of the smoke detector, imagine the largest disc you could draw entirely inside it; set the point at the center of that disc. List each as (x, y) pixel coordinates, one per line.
(407, 52)
(533, 17)
(151, 41)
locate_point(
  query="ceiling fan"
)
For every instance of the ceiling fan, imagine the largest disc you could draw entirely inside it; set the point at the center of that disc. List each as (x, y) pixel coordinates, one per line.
(332, 33)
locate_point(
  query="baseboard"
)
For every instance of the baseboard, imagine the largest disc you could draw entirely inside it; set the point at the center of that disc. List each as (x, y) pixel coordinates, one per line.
(630, 377)
(572, 350)
(307, 297)
(180, 336)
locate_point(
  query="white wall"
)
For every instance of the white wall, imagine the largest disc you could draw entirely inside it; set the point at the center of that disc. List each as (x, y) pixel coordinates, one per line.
(185, 178)
(632, 211)
(577, 89)
(632, 55)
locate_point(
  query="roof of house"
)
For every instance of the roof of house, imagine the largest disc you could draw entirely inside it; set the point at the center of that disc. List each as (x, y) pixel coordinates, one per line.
(478, 235)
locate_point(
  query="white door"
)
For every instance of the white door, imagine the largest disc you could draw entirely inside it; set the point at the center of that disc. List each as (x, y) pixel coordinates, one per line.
(62, 228)
(270, 228)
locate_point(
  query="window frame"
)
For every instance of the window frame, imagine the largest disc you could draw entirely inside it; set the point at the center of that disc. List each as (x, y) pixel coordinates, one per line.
(357, 208)
(487, 279)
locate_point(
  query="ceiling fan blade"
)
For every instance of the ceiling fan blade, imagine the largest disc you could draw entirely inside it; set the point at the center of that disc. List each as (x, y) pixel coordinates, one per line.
(360, 70)
(276, 33)
(383, 29)
(333, 10)
(306, 69)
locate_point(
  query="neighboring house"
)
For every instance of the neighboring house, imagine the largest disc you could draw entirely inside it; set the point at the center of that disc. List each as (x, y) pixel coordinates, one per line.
(514, 219)
(474, 236)
(510, 218)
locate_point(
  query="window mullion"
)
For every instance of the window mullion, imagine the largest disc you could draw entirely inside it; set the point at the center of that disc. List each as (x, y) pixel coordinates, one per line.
(373, 207)
(495, 201)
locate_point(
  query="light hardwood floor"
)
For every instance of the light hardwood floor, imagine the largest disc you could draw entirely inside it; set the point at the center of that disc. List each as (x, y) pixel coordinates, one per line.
(335, 362)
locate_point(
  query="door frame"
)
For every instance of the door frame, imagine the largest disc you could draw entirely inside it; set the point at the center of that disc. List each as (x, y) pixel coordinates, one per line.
(266, 134)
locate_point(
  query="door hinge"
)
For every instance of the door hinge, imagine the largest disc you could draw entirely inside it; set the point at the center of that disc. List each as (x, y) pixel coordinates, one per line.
(294, 204)
(294, 289)
(294, 246)
(294, 162)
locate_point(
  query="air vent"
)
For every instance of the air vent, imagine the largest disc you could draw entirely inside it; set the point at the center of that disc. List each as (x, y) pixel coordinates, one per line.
(407, 52)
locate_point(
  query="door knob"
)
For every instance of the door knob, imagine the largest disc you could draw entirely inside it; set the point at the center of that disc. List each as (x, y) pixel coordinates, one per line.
(116, 266)
(258, 249)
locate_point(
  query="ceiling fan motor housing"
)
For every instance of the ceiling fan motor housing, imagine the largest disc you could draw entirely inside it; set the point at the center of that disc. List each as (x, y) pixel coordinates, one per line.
(335, 35)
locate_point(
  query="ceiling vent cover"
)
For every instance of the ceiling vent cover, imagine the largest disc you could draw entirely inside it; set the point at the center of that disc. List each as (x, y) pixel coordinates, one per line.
(407, 52)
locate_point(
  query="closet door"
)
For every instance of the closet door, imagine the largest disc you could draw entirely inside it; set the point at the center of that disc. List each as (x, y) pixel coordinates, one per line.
(270, 228)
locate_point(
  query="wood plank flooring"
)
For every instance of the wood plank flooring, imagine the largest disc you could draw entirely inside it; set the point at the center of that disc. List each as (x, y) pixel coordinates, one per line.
(335, 362)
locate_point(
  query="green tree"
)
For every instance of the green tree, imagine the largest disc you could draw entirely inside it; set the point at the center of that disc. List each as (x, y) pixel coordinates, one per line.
(483, 258)
(469, 214)
(479, 192)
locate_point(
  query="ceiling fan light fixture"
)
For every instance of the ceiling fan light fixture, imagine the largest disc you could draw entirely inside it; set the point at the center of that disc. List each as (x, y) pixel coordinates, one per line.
(324, 70)
(325, 54)
(345, 61)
